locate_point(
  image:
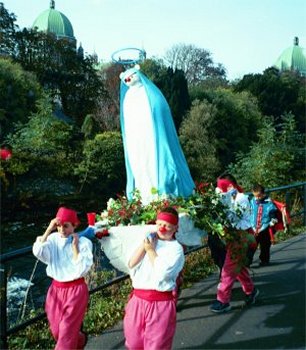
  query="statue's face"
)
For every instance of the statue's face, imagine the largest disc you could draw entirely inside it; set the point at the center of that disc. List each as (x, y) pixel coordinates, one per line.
(132, 79)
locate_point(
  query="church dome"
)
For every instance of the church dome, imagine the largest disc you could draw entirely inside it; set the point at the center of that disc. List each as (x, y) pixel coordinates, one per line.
(293, 58)
(53, 21)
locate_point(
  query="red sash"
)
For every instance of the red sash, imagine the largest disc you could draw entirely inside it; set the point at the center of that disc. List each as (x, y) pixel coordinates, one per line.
(68, 284)
(259, 218)
(152, 295)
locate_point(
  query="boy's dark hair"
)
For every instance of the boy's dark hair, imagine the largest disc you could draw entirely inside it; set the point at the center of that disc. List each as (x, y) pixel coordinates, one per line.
(170, 210)
(258, 188)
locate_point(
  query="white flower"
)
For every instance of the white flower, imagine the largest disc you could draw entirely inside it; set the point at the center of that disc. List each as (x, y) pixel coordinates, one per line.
(101, 224)
(104, 214)
(110, 203)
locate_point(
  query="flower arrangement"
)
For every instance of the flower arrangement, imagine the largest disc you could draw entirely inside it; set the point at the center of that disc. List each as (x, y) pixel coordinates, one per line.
(203, 206)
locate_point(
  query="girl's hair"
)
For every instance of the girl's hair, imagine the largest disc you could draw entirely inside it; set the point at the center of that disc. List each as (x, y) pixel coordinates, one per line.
(170, 210)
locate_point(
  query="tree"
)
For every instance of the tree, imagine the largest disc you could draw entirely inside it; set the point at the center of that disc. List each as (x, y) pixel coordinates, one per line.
(42, 146)
(173, 85)
(102, 168)
(199, 142)
(108, 109)
(196, 63)
(44, 156)
(277, 93)
(236, 120)
(7, 31)
(65, 75)
(89, 127)
(19, 91)
(276, 159)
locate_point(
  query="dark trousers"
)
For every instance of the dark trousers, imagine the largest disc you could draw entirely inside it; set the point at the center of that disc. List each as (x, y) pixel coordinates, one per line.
(264, 241)
(217, 250)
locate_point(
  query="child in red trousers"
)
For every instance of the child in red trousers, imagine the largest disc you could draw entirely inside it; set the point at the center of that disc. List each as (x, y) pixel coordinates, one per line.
(150, 315)
(239, 215)
(68, 259)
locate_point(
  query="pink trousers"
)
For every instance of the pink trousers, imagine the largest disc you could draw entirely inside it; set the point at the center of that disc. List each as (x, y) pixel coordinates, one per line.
(229, 274)
(65, 308)
(149, 325)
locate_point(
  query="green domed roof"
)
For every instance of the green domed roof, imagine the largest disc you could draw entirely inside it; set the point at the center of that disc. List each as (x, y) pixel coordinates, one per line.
(293, 58)
(53, 21)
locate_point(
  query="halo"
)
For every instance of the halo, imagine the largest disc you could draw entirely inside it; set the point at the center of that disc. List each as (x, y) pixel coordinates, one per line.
(128, 55)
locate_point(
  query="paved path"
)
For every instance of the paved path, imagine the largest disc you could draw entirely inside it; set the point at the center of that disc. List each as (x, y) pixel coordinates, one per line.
(276, 321)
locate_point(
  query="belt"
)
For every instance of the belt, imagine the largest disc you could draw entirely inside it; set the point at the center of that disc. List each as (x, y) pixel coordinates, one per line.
(68, 284)
(152, 294)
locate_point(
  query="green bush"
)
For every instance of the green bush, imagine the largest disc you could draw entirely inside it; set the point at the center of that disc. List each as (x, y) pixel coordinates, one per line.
(102, 167)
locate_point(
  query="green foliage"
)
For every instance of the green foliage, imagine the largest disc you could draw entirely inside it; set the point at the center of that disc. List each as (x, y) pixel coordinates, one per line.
(107, 307)
(7, 31)
(197, 266)
(281, 236)
(89, 127)
(234, 123)
(36, 336)
(203, 207)
(43, 143)
(19, 91)
(277, 94)
(102, 166)
(199, 142)
(41, 167)
(60, 71)
(277, 159)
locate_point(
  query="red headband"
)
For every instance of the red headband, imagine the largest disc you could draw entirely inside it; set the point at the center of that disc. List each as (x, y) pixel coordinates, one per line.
(223, 184)
(169, 217)
(67, 215)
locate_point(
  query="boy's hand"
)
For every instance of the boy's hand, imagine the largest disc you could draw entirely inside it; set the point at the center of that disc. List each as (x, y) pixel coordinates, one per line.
(53, 224)
(75, 245)
(75, 239)
(150, 243)
(149, 247)
(273, 222)
(52, 227)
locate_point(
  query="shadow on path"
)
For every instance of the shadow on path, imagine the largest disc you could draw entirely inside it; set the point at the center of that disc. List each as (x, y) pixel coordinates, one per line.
(276, 321)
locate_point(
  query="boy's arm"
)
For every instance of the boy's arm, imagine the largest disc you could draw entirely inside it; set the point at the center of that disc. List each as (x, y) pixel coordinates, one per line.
(149, 246)
(75, 246)
(52, 226)
(273, 211)
(41, 248)
(137, 256)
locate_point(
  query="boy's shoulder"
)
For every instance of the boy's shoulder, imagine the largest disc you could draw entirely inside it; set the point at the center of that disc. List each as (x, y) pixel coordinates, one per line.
(266, 200)
(85, 241)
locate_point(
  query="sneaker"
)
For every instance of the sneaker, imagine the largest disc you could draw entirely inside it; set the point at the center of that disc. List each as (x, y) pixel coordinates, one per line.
(264, 263)
(219, 307)
(251, 298)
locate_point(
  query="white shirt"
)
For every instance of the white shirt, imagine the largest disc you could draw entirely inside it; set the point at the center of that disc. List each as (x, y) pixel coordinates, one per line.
(162, 274)
(56, 252)
(241, 206)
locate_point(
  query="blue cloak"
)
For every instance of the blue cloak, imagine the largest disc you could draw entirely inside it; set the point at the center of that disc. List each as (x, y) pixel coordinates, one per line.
(173, 175)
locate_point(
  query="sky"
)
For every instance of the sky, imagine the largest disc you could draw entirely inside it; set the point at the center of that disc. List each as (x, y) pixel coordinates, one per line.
(245, 36)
